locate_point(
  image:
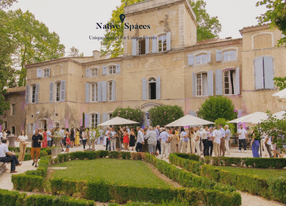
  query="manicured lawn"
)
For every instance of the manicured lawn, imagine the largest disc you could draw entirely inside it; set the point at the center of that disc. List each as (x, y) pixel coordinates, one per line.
(131, 172)
(265, 173)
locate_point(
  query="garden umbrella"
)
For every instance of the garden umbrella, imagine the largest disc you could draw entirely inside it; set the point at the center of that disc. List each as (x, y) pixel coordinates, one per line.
(253, 118)
(189, 120)
(118, 121)
(280, 94)
(279, 115)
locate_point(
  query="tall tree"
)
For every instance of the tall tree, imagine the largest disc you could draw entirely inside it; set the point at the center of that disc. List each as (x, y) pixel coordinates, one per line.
(33, 40)
(275, 15)
(74, 52)
(4, 4)
(208, 27)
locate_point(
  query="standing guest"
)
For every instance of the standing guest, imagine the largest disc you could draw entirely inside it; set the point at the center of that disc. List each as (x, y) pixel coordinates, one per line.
(118, 139)
(45, 139)
(180, 144)
(158, 146)
(268, 144)
(217, 140)
(7, 132)
(107, 139)
(151, 136)
(185, 140)
(222, 141)
(177, 133)
(84, 137)
(7, 156)
(164, 137)
(132, 139)
(200, 129)
(145, 145)
(113, 139)
(49, 138)
(37, 139)
(68, 142)
(125, 139)
(241, 138)
(23, 144)
(1, 135)
(256, 136)
(77, 137)
(173, 142)
(101, 137)
(140, 140)
(62, 133)
(227, 139)
(72, 138)
(196, 142)
(205, 141)
(210, 142)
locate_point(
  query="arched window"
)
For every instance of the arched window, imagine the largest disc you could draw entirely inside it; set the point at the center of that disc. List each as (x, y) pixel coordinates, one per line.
(93, 122)
(112, 69)
(229, 55)
(202, 84)
(93, 72)
(111, 90)
(162, 43)
(13, 130)
(94, 92)
(152, 88)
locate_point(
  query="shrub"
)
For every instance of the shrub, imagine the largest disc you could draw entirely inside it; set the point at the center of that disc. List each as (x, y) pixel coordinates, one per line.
(113, 154)
(125, 155)
(28, 182)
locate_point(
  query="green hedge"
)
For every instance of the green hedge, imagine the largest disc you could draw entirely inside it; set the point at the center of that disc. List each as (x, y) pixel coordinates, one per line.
(17, 149)
(273, 188)
(11, 198)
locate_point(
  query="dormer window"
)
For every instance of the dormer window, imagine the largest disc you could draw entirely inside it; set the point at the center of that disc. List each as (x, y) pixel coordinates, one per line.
(162, 43)
(229, 55)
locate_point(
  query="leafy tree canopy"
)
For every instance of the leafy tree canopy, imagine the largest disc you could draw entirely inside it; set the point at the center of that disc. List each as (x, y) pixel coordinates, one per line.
(217, 107)
(129, 113)
(74, 52)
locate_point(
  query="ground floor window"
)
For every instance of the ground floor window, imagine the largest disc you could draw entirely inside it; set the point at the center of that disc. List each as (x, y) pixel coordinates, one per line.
(202, 84)
(13, 130)
(93, 121)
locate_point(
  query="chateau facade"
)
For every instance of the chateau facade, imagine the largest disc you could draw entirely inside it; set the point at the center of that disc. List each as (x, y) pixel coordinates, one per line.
(161, 65)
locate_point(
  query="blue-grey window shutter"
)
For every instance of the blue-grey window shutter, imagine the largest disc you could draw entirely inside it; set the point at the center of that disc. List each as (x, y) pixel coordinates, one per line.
(154, 44)
(193, 113)
(237, 73)
(118, 69)
(259, 83)
(232, 55)
(103, 91)
(86, 120)
(158, 88)
(104, 117)
(147, 45)
(218, 55)
(63, 90)
(144, 89)
(191, 59)
(210, 83)
(39, 73)
(194, 84)
(27, 94)
(218, 82)
(209, 57)
(49, 72)
(113, 90)
(98, 118)
(51, 91)
(33, 128)
(169, 40)
(99, 91)
(134, 47)
(37, 93)
(104, 70)
(268, 72)
(87, 92)
(87, 73)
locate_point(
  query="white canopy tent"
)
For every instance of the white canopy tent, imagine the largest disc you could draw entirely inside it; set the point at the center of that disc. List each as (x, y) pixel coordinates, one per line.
(253, 118)
(188, 120)
(279, 115)
(118, 121)
(280, 94)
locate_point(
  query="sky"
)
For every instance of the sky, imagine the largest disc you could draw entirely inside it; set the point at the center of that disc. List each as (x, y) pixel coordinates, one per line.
(75, 20)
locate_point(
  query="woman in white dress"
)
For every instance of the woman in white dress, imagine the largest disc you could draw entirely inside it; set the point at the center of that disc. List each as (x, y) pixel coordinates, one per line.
(23, 144)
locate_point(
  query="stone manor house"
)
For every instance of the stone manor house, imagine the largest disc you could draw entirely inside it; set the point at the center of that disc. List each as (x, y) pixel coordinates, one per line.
(164, 65)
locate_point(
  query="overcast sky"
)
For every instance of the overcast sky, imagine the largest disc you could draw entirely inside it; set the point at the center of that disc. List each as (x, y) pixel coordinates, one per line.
(75, 20)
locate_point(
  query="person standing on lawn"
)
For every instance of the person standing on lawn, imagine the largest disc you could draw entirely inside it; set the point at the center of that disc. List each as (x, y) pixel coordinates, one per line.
(227, 139)
(256, 136)
(140, 140)
(205, 141)
(241, 138)
(37, 139)
(23, 144)
(222, 142)
(217, 140)
(7, 156)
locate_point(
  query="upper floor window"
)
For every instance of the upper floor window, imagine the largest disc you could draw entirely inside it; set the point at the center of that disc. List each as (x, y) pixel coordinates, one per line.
(93, 72)
(112, 69)
(264, 73)
(5, 125)
(229, 55)
(93, 120)
(230, 82)
(34, 94)
(58, 91)
(201, 59)
(13, 130)
(111, 90)
(94, 92)
(13, 109)
(202, 84)
(46, 72)
(162, 43)
(152, 88)
(142, 46)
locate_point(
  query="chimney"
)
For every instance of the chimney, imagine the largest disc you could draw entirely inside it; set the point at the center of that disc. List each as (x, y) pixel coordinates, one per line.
(96, 55)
